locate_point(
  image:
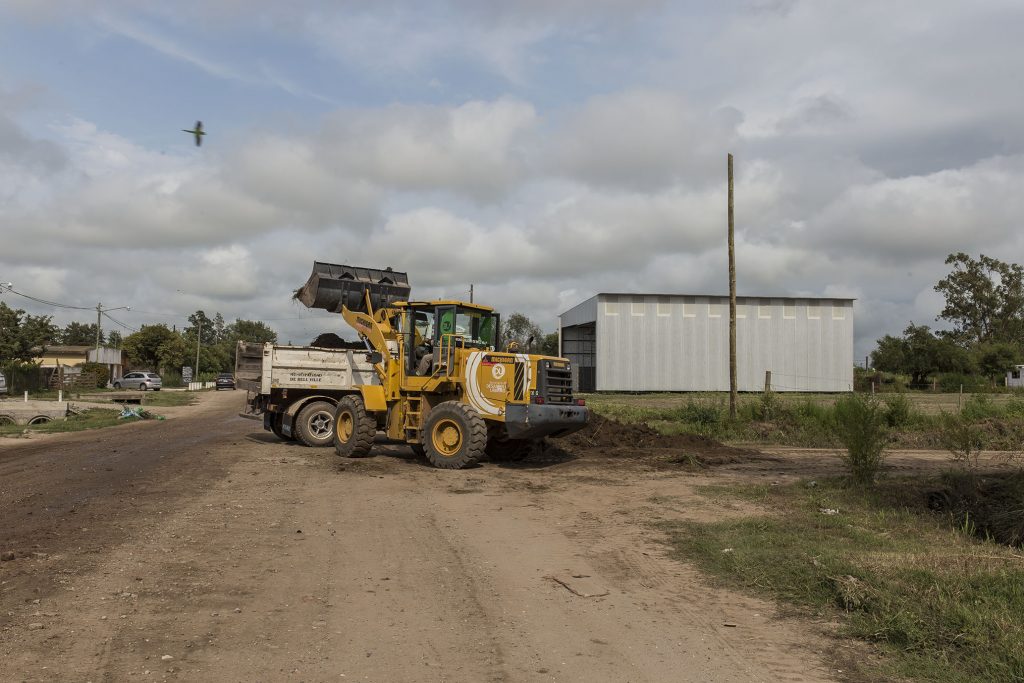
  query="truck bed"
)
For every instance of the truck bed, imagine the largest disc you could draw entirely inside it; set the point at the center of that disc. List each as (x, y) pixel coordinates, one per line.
(262, 367)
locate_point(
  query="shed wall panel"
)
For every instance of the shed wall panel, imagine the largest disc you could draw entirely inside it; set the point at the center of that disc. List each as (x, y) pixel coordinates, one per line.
(678, 343)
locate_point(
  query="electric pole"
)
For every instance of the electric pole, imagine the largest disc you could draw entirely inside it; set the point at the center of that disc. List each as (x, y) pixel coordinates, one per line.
(732, 301)
(99, 314)
(470, 293)
(199, 335)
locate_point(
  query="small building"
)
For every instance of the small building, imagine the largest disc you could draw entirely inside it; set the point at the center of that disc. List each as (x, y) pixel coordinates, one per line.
(675, 342)
(1015, 377)
(60, 361)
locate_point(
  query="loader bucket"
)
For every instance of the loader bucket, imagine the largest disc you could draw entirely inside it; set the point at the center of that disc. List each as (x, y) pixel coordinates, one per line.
(333, 287)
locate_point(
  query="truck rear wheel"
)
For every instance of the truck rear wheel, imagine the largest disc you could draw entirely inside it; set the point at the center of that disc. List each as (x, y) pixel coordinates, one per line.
(276, 426)
(314, 425)
(354, 428)
(455, 436)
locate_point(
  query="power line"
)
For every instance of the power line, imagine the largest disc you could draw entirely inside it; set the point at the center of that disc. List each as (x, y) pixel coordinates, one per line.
(45, 301)
(111, 318)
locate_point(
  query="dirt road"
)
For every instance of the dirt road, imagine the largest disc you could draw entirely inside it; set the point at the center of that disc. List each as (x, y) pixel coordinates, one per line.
(202, 549)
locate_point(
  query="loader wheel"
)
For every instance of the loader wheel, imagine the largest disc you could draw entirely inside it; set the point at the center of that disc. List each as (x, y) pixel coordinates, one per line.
(314, 425)
(454, 436)
(354, 428)
(503, 449)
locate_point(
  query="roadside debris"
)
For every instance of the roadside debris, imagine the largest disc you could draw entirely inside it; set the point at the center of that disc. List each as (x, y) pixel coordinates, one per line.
(577, 584)
(136, 412)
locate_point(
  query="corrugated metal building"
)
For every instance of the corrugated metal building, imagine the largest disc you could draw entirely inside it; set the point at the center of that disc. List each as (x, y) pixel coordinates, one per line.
(657, 342)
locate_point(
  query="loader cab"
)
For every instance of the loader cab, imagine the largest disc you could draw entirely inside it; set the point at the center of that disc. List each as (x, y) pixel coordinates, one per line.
(438, 327)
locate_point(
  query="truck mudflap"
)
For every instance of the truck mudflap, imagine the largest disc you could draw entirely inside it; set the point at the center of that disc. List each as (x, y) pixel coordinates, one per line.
(533, 421)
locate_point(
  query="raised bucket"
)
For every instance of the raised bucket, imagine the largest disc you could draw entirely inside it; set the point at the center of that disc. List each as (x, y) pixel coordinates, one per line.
(332, 287)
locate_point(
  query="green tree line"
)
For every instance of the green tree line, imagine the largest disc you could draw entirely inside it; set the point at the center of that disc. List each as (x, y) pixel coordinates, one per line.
(23, 337)
(162, 349)
(984, 308)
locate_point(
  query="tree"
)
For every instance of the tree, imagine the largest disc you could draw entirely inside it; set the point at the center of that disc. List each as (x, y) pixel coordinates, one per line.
(250, 331)
(78, 334)
(218, 327)
(208, 335)
(549, 344)
(143, 347)
(919, 353)
(522, 330)
(172, 353)
(114, 339)
(984, 299)
(20, 333)
(993, 359)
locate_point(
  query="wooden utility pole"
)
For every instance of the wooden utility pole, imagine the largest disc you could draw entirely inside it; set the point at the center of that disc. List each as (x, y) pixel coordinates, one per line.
(199, 336)
(732, 302)
(99, 313)
(470, 293)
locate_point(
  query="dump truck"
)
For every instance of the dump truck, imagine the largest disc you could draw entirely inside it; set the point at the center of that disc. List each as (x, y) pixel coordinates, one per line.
(296, 389)
(445, 386)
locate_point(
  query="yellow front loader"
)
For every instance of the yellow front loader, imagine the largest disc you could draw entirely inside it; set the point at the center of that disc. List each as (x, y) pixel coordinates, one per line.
(445, 387)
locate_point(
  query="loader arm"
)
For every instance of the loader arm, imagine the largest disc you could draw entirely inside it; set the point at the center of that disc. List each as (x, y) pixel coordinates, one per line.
(373, 326)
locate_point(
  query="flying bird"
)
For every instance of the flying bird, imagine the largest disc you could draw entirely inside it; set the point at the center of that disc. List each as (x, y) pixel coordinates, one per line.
(197, 132)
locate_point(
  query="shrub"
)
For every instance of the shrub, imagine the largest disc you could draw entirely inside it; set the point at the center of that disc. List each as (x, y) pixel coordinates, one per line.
(94, 376)
(963, 438)
(979, 407)
(898, 411)
(861, 428)
(704, 413)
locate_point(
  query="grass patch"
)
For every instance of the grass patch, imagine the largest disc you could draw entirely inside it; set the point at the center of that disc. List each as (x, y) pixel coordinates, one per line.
(169, 398)
(809, 420)
(92, 419)
(940, 604)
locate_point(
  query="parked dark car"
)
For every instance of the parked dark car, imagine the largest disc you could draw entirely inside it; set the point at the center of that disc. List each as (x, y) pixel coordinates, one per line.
(225, 380)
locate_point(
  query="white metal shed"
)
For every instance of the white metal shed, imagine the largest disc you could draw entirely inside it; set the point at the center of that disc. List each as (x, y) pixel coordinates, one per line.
(675, 342)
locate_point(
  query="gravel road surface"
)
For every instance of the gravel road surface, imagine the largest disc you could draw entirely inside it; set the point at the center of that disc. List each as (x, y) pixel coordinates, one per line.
(200, 548)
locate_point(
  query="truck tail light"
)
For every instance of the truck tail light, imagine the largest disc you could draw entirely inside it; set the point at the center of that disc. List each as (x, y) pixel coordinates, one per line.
(539, 400)
(581, 402)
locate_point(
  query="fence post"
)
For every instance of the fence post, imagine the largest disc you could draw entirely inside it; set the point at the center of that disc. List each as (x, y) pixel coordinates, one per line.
(872, 387)
(767, 381)
(26, 397)
(960, 399)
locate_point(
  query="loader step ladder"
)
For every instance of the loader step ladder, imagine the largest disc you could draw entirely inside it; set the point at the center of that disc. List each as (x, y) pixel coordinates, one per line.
(411, 419)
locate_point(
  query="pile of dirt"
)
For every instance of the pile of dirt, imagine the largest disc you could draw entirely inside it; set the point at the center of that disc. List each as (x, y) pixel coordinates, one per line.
(329, 340)
(610, 438)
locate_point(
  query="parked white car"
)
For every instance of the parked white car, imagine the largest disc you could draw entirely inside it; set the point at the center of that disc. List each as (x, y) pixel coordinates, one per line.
(3, 384)
(139, 380)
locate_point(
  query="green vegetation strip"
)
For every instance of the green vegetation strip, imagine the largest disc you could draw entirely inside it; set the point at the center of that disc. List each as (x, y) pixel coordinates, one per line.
(941, 605)
(809, 420)
(93, 419)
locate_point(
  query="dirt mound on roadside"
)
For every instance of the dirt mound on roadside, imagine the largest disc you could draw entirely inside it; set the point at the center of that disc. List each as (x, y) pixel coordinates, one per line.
(610, 438)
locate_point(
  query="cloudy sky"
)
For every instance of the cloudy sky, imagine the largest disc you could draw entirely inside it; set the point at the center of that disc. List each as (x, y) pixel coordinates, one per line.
(543, 150)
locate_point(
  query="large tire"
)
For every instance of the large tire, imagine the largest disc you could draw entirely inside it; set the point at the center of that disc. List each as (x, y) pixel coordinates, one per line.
(117, 385)
(314, 425)
(454, 436)
(354, 428)
(503, 449)
(277, 427)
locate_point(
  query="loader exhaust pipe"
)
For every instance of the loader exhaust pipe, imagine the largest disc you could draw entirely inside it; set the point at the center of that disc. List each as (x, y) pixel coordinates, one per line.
(332, 287)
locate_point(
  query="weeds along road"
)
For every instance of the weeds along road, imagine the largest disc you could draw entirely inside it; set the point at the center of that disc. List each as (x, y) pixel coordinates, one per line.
(202, 549)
